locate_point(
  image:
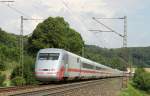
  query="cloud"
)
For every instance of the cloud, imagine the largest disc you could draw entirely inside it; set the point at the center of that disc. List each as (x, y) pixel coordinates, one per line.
(78, 13)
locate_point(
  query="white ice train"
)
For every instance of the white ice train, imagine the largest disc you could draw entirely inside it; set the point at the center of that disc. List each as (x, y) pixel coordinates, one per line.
(57, 64)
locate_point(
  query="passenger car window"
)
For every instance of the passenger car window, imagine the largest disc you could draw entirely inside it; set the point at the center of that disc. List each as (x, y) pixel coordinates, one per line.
(48, 56)
(98, 68)
(88, 66)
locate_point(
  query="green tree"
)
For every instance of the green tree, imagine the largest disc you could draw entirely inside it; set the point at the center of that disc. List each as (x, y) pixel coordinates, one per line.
(55, 33)
(141, 79)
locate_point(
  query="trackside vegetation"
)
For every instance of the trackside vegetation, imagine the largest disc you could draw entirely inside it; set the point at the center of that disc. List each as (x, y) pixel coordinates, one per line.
(132, 91)
(55, 32)
(139, 85)
(141, 80)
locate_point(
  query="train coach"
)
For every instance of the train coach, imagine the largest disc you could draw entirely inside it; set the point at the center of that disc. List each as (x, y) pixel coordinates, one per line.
(54, 64)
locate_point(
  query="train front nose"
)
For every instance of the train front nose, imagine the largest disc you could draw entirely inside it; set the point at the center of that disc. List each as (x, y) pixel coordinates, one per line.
(47, 66)
(46, 75)
(47, 70)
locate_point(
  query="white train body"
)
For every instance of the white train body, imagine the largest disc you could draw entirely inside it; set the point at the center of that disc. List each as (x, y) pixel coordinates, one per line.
(57, 64)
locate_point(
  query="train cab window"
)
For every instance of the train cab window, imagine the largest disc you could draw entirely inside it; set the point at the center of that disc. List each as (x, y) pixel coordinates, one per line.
(48, 56)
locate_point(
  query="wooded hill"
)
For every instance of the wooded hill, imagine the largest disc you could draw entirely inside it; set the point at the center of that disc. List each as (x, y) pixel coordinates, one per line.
(116, 58)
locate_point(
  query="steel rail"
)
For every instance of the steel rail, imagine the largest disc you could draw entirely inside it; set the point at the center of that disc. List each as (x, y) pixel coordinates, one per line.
(71, 88)
(5, 90)
(61, 88)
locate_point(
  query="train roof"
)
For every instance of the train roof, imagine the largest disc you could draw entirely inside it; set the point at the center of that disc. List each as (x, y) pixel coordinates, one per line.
(51, 49)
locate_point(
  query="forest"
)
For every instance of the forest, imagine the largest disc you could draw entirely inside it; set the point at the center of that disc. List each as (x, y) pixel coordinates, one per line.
(56, 33)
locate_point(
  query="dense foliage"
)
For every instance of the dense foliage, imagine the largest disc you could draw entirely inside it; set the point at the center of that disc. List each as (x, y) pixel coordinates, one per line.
(105, 56)
(2, 79)
(119, 58)
(8, 49)
(139, 84)
(18, 81)
(9, 60)
(140, 56)
(141, 79)
(132, 91)
(55, 33)
(28, 70)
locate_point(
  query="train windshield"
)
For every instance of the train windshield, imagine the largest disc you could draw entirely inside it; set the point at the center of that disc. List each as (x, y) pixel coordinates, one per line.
(48, 56)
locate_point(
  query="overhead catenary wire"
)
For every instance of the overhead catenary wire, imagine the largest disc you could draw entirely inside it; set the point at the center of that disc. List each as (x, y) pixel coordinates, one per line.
(66, 5)
(100, 31)
(21, 43)
(124, 36)
(18, 11)
(75, 17)
(27, 17)
(110, 29)
(81, 22)
(8, 1)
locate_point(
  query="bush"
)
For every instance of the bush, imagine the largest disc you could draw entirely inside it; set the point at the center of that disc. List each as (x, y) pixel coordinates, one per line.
(2, 79)
(131, 91)
(28, 71)
(16, 72)
(141, 79)
(18, 81)
(29, 67)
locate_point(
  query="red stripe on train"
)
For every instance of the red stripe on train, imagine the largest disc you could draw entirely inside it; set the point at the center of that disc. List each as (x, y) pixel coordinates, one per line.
(60, 74)
(82, 71)
(86, 71)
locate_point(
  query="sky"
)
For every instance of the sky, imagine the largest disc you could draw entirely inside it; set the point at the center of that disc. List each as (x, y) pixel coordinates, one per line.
(79, 14)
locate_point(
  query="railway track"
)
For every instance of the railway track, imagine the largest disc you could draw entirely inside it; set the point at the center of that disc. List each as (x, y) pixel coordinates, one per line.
(11, 90)
(59, 89)
(49, 90)
(72, 87)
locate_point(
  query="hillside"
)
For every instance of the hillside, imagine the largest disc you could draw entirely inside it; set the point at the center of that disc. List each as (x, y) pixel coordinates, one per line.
(9, 54)
(140, 56)
(137, 56)
(8, 49)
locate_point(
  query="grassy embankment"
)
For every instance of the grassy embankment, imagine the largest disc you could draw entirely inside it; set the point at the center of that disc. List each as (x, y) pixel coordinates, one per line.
(132, 91)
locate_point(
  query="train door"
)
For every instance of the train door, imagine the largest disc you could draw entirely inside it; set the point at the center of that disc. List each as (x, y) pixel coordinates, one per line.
(79, 67)
(66, 65)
